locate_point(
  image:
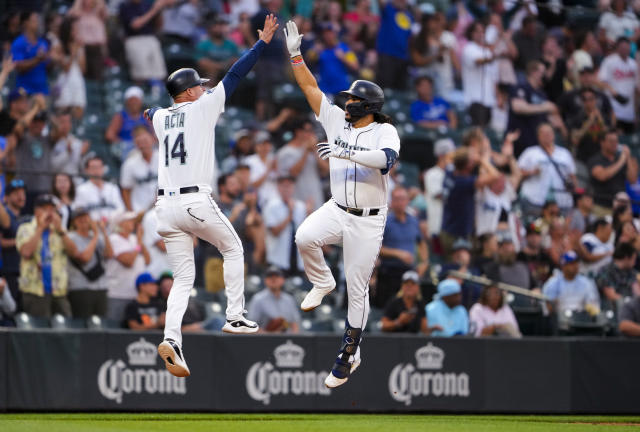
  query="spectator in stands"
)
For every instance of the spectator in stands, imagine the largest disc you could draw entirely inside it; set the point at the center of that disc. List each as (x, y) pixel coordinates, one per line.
(393, 44)
(572, 102)
(123, 123)
(10, 29)
(548, 171)
(619, 279)
(487, 250)
(91, 33)
(569, 290)
(15, 198)
(446, 312)
(180, 22)
(31, 55)
(282, 217)
(458, 193)
(580, 218)
(299, 159)
(263, 169)
(504, 49)
(494, 212)
(243, 147)
(87, 259)
(530, 108)
(130, 256)
(158, 261)
(271, 61)
(43, 244)
(336, 61)
(461, 262)
(406, 313)
(478, 75)
(69, 89)
(528, 41)
(434, 53)
(630, 318)
(217, 52)
(429, 111)
(139, 173)
(15, 120)
(555, 62)
(146, 312)
(491, 316)
(33, 159)
(100, 197)
(618, 22)
(433, 179)
(609, 170)
(539, 262)
(142, 48)
(507, 268)
(401, 238)
(7, 305)
(64, 189)
(68, 150)
(587, 126)
(195, 317)
(275, 311)
(619, 72)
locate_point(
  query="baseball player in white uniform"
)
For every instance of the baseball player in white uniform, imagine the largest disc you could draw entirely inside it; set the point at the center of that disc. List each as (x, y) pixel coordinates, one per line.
(186, 160)
(361, 146)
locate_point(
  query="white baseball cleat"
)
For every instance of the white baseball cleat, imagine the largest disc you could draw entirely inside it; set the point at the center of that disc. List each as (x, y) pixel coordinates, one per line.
(173, 358)
(240, 326)
(313, 299)
(332, 381)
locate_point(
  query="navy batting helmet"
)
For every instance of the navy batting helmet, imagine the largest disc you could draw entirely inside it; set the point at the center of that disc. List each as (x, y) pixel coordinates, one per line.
(183, 79)
(371, 94)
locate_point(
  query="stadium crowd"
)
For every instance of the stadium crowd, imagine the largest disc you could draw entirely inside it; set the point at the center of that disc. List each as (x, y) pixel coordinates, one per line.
(519, 161)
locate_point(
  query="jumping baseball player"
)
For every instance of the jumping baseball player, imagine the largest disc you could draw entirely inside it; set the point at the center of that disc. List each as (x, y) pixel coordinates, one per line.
(186, 136)
(361, 146)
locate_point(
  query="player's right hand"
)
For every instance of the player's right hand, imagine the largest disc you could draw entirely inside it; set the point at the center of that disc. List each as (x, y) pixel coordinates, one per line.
(293, 38)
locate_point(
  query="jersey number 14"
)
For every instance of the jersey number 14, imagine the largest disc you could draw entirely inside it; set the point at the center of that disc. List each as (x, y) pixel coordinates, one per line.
(177, 151)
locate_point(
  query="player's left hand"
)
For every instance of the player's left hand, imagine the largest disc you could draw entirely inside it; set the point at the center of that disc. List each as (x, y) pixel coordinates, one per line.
(270, 27)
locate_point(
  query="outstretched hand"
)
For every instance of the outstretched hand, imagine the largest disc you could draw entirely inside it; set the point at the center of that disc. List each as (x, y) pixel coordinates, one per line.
(270, 27)
(293, 38)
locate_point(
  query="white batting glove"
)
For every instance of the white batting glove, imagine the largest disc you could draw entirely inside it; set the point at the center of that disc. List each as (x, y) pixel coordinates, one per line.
(326, 150)
(293, 38)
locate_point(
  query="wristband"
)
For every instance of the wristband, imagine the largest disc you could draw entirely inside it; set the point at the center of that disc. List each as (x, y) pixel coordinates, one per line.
(297, 60)
(138, 248)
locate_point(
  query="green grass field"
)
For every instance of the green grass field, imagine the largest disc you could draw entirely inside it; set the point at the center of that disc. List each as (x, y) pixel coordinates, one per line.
(310, 422)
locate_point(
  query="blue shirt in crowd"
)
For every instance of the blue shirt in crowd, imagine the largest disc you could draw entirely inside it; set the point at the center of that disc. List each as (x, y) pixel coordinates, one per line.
(458, 193)
(35, 79)
(333, 72)
(400, 235)
(453, 321)
(430, 111)
(395, 30)
(633, 190)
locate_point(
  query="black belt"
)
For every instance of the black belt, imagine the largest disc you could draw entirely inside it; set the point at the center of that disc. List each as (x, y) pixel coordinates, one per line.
(183, 190)
(358, 212)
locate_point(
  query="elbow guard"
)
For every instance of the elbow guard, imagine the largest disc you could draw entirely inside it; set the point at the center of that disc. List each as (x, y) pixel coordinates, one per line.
(392, 158)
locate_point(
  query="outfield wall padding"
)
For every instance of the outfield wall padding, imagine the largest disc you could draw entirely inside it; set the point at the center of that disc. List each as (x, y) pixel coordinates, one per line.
(120, 371)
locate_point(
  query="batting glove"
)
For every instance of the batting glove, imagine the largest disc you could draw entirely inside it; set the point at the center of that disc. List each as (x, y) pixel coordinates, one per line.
(326, 150)
(293, 38)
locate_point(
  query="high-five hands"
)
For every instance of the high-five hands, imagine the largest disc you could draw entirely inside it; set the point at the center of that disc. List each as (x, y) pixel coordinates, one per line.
(293, 38)
(270, 27)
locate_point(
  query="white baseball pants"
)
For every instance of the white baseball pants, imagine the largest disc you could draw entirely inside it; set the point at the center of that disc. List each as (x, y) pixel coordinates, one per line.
(197, 214)
(361, 238)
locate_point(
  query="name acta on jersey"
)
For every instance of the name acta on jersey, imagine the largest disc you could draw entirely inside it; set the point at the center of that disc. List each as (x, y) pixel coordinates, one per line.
(174, 120)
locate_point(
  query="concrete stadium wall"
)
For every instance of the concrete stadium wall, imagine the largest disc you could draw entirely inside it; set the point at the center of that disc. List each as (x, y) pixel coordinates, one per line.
(120, 371)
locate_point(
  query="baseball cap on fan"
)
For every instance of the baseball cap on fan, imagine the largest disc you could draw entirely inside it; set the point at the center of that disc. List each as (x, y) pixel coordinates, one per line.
(443, 146)
(133, 91)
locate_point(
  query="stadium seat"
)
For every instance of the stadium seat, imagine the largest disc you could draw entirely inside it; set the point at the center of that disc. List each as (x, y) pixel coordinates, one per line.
(60, 322)
(27, 322)
(305, 325)
(213, 309)
(325, 325)
(203, 295)
(293, 284)
(95, 322)
(323, 312)
(252, 284)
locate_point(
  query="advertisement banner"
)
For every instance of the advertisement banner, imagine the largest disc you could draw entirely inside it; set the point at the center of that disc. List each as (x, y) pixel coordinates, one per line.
(520, 375)
(605, 376)
(131, 374)
(4, 370)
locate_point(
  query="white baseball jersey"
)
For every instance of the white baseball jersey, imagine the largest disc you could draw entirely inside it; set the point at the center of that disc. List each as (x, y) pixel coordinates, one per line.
(186, 133)
(142, 178)
(352, 184)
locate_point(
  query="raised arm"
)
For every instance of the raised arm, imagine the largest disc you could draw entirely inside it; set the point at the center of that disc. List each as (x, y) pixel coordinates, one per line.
(244, 64)
(301, 72)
